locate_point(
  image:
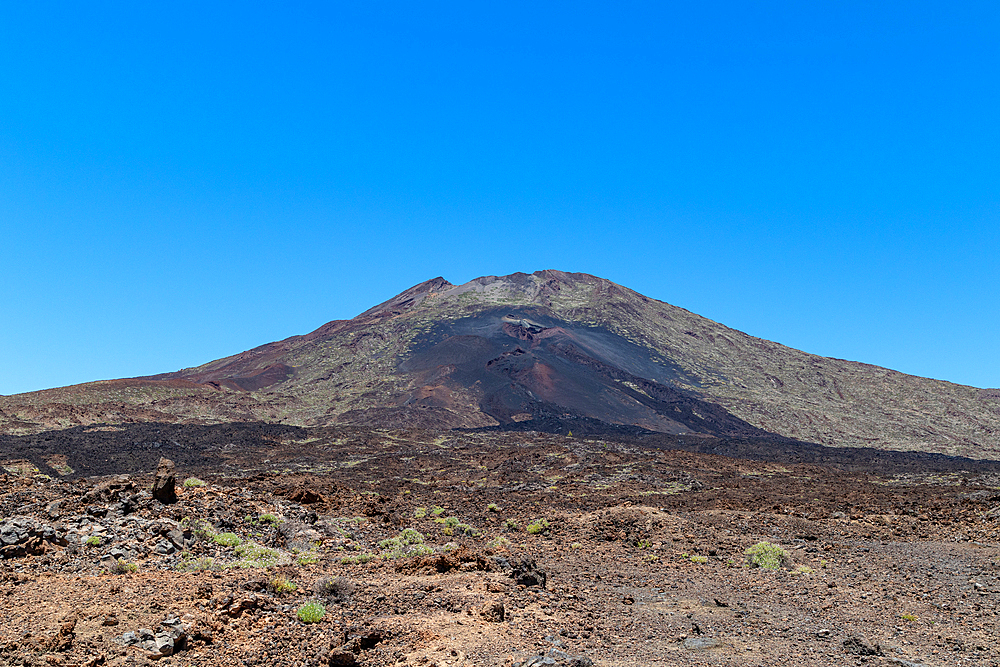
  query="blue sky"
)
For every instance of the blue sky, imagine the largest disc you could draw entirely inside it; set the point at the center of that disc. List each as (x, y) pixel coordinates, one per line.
(184, 181)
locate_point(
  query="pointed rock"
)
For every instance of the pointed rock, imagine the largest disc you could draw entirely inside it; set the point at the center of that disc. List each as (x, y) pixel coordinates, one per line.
(163, 486)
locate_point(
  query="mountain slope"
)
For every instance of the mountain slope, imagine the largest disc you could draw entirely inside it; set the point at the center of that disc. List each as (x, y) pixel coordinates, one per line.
(547, 350)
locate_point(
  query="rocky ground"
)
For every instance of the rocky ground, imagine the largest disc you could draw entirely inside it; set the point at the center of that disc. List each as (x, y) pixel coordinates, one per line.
(521, 549)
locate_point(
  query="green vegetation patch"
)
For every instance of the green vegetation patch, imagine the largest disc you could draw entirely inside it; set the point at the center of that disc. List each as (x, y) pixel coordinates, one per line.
(311, 612)
(253, 555)
(767, 556)
(227, 539)
(538, 526)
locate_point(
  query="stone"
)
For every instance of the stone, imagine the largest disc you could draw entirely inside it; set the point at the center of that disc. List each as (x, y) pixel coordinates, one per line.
(492, 611)
(341, 658)
(857, 646)
(700, 643)
(164, 548)
(164, 484)
(181, 538)
(524, 571)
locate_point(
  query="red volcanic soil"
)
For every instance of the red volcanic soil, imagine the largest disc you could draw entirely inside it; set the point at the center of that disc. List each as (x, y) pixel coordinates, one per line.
(452, 548)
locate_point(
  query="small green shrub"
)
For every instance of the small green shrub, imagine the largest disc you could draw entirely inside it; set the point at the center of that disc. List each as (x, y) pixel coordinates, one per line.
(408, 543)
(311, 612)
(498, 542)
(280, 585)
(803, 569)
(193, 482)
(575, 545)
(493, 507)
(122, 566)
(227, 539)
(269, 518)
(437, 511)
(255, 555)
(411, 536)
(93, 541)
(420, 513)
(908, 617)
(307, 558)
(359, 559)
(510, 525)
(701, 560)
(767, 556)
(538, 526)
(643, 544)
(189, 564)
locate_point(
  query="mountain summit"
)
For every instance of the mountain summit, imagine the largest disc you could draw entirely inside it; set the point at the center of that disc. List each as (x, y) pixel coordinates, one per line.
(546, 351)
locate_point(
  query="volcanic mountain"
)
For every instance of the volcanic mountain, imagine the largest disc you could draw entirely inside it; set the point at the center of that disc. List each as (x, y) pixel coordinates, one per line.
(549, 351)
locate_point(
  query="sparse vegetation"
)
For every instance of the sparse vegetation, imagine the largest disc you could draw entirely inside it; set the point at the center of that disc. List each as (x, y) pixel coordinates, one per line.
(307, 558)
(93, 541)
(122, 566)
(311, 612)
(700, 560)
(227, 539)
(538, 526)
(190, 564)
(252, 554)
(281, 585)
(193, 482)
(767, 556)
(358, 559)
(336, 589)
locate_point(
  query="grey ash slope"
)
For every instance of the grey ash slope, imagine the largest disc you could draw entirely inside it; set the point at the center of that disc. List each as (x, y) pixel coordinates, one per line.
(551, 348)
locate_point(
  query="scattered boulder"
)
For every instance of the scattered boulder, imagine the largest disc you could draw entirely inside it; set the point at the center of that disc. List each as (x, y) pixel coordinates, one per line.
(24, 536)
(492, 611)
(555, 656)
(700, 643)
(857, 646)
(164, 485)
(523, 570)
(299, 535)
(304, 496)
(168, 640)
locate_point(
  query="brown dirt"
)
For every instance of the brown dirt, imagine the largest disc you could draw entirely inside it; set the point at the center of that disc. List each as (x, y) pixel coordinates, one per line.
(643, 552)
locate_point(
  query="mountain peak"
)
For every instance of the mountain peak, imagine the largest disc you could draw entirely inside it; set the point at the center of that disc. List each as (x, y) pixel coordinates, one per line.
(549, 350)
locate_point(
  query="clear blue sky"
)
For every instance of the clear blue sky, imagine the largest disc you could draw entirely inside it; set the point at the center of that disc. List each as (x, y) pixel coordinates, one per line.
(183, 181)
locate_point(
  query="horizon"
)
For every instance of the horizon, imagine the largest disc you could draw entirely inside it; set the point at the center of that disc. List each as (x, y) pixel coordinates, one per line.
(174, 191)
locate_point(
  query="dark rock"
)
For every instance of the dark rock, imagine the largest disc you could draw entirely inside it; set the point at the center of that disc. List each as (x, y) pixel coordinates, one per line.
(857, 646)
(524, 570)
(304, 496)
(24, 536)
(492, 611)
(341, 658)
(97, 510)
(556, 657)
(182, 538)
(164, 489)
(164, 548)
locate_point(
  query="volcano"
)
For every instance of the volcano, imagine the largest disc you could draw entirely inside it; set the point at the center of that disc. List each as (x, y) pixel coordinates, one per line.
(548, 351)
